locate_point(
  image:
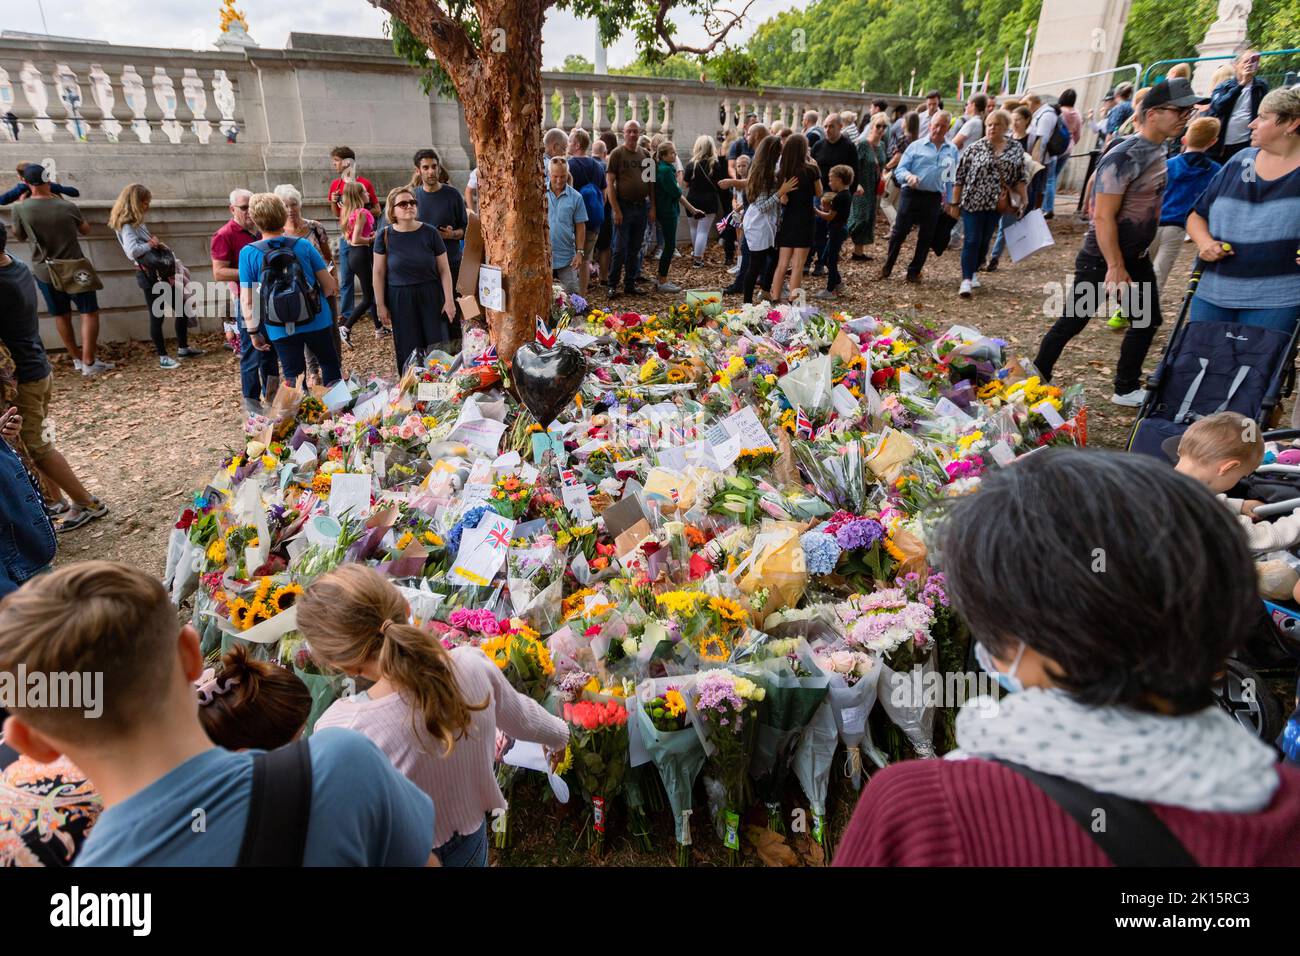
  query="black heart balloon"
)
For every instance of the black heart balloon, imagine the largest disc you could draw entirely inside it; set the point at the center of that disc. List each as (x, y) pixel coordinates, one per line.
(548, 378)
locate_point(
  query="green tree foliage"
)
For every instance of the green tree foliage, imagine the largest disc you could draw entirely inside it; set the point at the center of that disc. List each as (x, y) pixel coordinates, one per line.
(577, 63)
(849, 44)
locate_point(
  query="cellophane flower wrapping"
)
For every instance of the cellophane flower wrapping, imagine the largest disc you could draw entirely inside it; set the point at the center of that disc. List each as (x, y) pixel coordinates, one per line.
(678, 755)
(814, 756)
(598, 739)
(903, 696)
(725, 705)
(796, 688)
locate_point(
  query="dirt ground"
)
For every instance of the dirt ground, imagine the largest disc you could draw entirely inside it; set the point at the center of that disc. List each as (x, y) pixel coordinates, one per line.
(143, 438)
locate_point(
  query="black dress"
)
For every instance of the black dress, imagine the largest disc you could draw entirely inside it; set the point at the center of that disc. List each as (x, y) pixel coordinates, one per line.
(798, 222)
(702, 189)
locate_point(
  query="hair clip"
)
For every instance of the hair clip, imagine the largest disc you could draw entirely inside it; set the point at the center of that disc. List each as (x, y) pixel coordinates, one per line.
(208, 687)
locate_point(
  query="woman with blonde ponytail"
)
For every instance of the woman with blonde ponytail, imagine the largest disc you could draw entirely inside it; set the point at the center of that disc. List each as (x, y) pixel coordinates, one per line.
(434, 713)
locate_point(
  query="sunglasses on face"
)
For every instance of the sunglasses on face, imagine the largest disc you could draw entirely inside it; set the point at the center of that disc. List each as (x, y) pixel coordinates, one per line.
(241, 208)
(405, 204)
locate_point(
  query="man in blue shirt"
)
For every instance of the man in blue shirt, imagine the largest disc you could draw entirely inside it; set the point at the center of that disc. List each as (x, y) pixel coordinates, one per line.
(269, 215)
(128, 718)
(926, 174)
(567, 217)
(1121, 111)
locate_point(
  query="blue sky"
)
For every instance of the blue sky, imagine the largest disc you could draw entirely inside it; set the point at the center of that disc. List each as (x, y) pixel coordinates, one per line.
(187, 23)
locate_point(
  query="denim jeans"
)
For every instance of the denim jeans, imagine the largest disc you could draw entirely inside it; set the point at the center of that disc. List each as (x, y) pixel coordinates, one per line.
(1049, 190)
(977, 233)
(347, 294)
(255, 367)
(1000, 243)
(465, 850)
(628, 236)
(1283, 318)
(321, 343)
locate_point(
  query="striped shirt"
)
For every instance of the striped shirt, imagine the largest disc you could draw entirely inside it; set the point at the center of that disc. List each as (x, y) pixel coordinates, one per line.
(1261, 220)
(462, 784)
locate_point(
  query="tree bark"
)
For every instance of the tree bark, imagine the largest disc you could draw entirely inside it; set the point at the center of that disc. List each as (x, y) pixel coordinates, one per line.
(499, 84)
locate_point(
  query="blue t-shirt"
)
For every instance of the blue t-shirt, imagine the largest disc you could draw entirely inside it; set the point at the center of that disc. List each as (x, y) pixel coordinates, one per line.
(1261, 220)
(564, 212)
(250, 274)
(363, 812)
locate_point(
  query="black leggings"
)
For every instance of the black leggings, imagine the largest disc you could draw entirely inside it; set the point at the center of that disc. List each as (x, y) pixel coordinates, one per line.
(156, 297)
(361, 261)
(761, 266)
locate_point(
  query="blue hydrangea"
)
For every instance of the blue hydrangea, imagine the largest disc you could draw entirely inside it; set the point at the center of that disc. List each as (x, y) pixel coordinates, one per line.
(469, 519)
(820, 552)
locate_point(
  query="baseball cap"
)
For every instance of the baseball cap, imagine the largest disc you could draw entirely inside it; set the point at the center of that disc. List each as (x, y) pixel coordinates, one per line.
(1176, 92)
(34, 174)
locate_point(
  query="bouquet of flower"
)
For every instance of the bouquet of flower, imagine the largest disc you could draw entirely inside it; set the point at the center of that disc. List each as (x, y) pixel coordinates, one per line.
(675, 748)
(728, 709)
(523, 657)
(598, 740)
(796, 688)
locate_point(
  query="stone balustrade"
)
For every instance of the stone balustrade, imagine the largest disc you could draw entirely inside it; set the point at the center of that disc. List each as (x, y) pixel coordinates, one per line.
(193, 125)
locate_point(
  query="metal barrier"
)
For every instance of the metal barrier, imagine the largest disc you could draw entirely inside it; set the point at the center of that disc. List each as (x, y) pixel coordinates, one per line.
(1148, 78)
(1135, 67)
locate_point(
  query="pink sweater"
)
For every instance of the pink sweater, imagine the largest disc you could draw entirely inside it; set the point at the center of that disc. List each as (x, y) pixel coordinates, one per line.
(979, 813)
(462, 784)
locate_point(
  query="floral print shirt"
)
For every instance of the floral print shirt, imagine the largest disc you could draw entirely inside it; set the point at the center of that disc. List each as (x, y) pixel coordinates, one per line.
(46, 810)
(982, 174)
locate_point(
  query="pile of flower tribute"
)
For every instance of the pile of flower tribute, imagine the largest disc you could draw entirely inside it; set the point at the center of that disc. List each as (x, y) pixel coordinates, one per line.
(712, 565)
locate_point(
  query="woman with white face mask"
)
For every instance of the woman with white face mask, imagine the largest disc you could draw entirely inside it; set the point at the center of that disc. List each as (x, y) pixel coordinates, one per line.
(1105, 592)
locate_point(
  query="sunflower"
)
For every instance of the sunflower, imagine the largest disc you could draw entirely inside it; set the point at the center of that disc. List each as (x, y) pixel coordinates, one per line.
(284, 598)
(403, 541)
(676, 374)
(727, 609)
(564, 765)
(239, 609)
(711, 647)
(498, 651)
(264, 586)
(893, 550)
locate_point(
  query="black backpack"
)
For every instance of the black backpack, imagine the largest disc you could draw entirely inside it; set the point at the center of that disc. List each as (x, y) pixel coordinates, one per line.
(287, 295)
(1059, 141)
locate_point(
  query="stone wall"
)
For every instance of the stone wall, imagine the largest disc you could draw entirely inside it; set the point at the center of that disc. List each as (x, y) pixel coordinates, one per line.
(161, 116)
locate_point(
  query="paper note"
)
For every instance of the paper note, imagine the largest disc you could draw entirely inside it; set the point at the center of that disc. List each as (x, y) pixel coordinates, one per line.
(372, 407)
(349, 493)
(483, 434)
(1002, 453)
(727, 451)
(303, 453)
(435, 391)
(577, 500)
(845, 404)
(1051, 414)
(578, 340)
(744, 423)
(475, 493)
(946, 408)
(482, 551)
(337, 397)
(853, 720)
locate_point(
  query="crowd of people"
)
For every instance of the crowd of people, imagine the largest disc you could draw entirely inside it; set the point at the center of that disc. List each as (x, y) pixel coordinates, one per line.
(402, 772)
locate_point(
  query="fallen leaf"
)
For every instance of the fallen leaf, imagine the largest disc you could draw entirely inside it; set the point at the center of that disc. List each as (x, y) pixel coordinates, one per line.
(771, 847)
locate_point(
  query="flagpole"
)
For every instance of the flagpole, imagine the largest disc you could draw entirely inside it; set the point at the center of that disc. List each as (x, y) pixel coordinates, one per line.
(975, 77)
(911, 83)
(1024, 62)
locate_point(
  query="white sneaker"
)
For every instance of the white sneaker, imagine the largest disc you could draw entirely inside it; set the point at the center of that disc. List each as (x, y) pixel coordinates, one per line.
(735, 270)
(97, 368)
(79, 365)
(668, 287)
(1132, 399)
(964, 292)
(974, 282)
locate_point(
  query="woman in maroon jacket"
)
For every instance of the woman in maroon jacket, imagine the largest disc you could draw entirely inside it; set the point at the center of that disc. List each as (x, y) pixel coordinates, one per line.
(1105, 591)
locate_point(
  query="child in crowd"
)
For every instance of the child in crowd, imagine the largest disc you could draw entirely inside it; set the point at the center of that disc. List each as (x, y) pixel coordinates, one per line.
(835, 210)
(135, 731)
(22, 190)
(669, 200)
(1189, 173)
(247, 704)
(1219, 451)
(434, 713)
(764, 195)
(359, 226)
(738, 206)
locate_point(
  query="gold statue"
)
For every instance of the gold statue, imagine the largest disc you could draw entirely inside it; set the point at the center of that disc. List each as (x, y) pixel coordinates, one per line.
(232, 17)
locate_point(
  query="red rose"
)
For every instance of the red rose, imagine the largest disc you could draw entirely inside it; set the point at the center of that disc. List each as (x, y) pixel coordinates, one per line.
(663, 351)
(630, 319)
(880, 376)
(186, 519)
(782, 369)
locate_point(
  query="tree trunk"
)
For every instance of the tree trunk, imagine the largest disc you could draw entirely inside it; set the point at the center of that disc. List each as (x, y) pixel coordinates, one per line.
(499, 82)
(503, 112)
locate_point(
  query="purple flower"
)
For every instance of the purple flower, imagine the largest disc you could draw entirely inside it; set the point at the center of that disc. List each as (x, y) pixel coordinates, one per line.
(861, 533)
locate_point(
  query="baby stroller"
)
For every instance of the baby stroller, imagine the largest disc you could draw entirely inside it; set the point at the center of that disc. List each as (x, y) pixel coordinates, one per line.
(1210, 367)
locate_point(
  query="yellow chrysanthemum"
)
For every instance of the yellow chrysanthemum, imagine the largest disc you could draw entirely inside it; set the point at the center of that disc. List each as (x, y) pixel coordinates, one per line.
(320, 485)
(404, 540)
(216, 552)
(563, 766)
